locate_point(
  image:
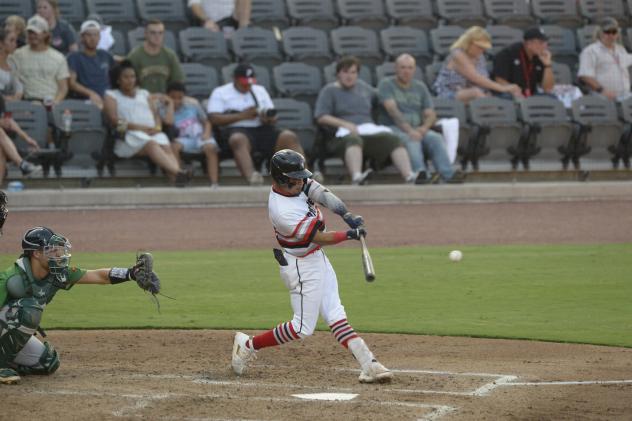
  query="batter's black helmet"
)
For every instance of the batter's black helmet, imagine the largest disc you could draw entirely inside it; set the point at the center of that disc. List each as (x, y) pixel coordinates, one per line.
(286, 164)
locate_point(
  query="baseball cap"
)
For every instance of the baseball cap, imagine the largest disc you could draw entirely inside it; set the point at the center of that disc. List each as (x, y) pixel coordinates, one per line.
(483, 43)
(534, 33)
(244, 70)
(89, 25)
(37, 24)
(609, 24)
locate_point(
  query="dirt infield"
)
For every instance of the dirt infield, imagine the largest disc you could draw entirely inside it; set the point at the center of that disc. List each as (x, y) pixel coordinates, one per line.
(185, 375)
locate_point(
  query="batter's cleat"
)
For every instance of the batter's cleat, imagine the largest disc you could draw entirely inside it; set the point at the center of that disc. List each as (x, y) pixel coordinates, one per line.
(241, 353)
(375, 373)
(9, 376)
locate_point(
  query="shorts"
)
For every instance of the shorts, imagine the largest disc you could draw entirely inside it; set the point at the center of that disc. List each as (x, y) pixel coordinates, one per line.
(191, 145)
(262, 139)
(377, 147)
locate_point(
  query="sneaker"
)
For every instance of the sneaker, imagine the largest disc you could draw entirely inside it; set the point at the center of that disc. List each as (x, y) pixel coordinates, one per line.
(29, 169)
(318, 176)
(183, 177)
(411, 178)
(9, 376)
(375, 373)
(241, 353)
(423, 178)
(256, 179)
(362, 178)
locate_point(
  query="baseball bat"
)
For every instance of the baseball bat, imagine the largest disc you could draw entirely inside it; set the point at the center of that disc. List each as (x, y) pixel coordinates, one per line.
(367, 262)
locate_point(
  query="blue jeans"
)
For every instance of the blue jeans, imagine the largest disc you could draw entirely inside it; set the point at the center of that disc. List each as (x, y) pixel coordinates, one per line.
(431, 146)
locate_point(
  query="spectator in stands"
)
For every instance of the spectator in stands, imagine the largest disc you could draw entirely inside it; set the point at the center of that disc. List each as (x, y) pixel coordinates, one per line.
(17, 25)
(407, 108)
(156, 65)
(604, 64)
(245, 115)
(63, 36)
(464, 74)
(106, 39)
(42, 70)
(132, 110)
(224, 15)
(526, 64)
(10, 86)
(90, 67)
(8, 152)
(194, 130)
(347, 106)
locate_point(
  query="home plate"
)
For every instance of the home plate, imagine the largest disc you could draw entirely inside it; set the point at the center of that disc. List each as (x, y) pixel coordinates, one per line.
(327, 396)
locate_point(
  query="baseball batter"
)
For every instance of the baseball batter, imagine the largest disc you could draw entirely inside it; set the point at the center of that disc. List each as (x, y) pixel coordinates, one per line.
(305, 269)
(30, 284)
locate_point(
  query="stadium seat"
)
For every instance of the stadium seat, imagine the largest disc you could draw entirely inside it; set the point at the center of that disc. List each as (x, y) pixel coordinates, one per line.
(596, 10)
(298, 80)
(121, 14)
(329, 72)
(269, 14)
(297, 116)
(442, 38)
(256, 45)
(199, 80)
(497, 133)
(464, 13)
(314, 13)
(452, 108)
(16, 7)
(550, 128)
(368, 14)
(585, 36)
(137, 36)
(624, 149)
(562, 74)
(431, 71)
(72, 11)
(557, 12)
(413, 13)
(387, 69)
(87, 131)
(562, 45)
(262, 75)
(120, 44)
(171, 12)
(357, 41)
(397, 40)
(202, 46)
(307, 45)
(514, 13)
(502, 36)
(599, 129)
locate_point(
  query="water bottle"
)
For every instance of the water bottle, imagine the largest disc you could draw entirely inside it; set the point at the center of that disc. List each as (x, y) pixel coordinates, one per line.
(66, 120)
(15, 186)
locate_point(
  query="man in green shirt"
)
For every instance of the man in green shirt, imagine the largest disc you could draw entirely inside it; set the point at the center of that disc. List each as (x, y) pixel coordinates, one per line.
(407, 108)
(27, 287)
(156, 65)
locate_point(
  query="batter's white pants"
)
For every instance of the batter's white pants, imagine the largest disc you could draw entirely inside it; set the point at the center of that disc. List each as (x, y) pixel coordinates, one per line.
(313, 288)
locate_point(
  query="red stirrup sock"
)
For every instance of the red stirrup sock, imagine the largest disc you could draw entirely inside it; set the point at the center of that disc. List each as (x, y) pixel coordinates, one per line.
(343, 332)
(281, 334)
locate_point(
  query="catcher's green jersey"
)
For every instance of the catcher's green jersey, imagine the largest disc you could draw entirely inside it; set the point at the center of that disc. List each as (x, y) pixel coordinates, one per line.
(18, 282)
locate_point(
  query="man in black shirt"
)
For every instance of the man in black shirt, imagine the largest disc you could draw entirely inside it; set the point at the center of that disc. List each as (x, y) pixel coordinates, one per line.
(527, 64)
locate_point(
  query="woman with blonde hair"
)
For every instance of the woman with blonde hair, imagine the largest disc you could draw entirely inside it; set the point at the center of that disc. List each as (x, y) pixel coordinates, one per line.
(17, 25)
(63, 36)
(464, 74)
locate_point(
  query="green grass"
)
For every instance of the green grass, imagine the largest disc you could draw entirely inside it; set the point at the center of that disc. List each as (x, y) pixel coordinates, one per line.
(580, 293)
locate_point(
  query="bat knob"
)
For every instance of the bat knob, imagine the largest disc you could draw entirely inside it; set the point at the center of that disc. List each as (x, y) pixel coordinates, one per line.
(370, 278)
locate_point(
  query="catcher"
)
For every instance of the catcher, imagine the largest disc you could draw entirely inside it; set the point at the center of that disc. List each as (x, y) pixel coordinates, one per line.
(32, 282)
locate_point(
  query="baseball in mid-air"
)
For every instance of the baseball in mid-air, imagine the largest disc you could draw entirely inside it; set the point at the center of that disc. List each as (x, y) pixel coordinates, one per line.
(456, 255)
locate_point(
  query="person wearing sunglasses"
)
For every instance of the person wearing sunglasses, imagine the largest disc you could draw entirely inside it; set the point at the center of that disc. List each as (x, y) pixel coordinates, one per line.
(603, 65)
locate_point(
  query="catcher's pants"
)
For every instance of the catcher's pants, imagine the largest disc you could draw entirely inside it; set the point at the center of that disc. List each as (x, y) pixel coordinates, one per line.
(313, 288)
(18, 321)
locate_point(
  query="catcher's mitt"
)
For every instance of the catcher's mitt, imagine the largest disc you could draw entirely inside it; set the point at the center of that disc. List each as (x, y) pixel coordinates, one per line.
(3, 209)
(142, 272)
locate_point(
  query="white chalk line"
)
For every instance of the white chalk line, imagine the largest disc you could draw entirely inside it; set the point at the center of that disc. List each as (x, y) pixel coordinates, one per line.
(569, 383)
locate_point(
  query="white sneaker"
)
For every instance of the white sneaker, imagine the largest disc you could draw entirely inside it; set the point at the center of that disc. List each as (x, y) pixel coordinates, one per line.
(256, 179)
(319, 177)
(29, 169)
(375, 373)
(362, 178)
(412, 177)
(241, 353)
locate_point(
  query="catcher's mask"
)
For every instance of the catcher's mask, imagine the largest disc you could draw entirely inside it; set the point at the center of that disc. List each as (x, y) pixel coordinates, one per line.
(54, 247)
(286, 164)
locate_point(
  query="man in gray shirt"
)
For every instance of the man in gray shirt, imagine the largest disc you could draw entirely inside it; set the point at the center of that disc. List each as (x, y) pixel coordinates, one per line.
(346, 105)
(406, 107)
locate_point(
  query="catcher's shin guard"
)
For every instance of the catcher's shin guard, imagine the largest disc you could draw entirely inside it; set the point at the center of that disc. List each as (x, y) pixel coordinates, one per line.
(47, 364)
(19, 321)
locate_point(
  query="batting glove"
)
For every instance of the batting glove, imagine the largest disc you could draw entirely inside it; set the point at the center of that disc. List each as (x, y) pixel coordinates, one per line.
(354, 221)
(355, 234)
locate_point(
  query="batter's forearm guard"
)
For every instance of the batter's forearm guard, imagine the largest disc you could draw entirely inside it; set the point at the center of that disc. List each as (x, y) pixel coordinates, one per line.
(118, 275)
(321, 194)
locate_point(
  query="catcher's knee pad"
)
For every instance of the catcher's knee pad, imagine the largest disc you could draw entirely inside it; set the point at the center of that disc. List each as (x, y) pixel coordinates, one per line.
(47, 364)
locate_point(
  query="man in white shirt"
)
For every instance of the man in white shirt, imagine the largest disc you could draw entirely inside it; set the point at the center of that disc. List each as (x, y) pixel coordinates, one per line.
(217, 15)
(603, 65)
(245, 115)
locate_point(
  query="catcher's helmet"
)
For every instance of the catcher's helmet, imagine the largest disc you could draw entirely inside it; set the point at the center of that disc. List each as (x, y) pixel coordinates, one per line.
(286, 164)
(56, 248)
